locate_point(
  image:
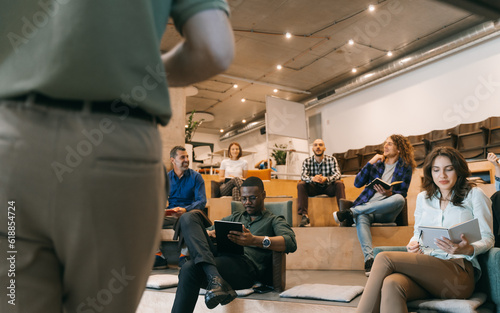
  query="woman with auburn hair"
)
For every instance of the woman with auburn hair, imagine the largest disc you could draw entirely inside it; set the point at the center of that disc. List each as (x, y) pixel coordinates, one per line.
(232, 172)
(450, 271)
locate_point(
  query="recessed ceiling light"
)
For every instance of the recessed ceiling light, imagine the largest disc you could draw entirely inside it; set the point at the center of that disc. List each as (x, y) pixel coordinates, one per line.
(243, 99)
(389, 53)
(221, 130)
(371, 8)
(354, 70)
(186, 126)
(235, 86)
(279, 67)
(243, 121)
(288, 35)
(351, 42)
(275, 90)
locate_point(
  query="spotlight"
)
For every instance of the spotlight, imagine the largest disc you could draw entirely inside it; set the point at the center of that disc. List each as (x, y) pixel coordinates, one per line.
(288, 35)
(279, 67)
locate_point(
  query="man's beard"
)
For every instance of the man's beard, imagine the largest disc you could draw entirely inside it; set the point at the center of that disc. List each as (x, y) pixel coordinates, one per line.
(318, 155)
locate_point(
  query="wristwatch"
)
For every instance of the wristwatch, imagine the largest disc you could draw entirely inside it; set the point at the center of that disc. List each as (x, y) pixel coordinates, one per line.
(266, 243)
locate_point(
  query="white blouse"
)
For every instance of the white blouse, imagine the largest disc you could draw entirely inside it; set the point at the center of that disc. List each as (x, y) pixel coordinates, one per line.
(475, 205)
(233, 168)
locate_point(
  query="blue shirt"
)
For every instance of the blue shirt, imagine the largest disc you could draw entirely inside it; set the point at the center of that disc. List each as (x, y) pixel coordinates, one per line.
(369, 172)
(188, 191)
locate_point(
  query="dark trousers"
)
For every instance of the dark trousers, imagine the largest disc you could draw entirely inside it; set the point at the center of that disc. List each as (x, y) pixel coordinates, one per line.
(306, 190)
(236, 270)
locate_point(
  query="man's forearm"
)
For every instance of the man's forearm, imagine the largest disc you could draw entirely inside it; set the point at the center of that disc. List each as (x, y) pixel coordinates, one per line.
(207, 50)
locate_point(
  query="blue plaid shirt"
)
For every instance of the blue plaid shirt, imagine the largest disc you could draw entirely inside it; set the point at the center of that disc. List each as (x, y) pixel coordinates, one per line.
(369, 172)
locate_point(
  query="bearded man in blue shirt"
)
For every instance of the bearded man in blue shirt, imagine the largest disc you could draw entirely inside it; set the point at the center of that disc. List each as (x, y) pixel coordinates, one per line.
(187, 192)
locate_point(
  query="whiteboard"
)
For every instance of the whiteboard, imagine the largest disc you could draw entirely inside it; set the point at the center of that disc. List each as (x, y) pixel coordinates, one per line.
(285, 118)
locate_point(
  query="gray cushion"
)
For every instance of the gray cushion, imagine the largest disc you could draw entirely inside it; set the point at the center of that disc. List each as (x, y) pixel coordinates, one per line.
(323, 292)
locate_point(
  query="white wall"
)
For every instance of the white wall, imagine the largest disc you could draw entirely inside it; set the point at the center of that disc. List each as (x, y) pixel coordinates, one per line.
(461, 88)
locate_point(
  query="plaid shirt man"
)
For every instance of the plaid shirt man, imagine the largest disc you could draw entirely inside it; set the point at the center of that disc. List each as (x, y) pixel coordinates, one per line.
(328, 167)
(369, 172)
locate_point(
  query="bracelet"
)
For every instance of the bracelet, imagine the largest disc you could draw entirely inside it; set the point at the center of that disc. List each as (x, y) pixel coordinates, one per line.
(497, 178)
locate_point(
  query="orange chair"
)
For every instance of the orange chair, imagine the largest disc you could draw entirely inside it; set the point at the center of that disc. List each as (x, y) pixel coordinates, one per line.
(264, 174)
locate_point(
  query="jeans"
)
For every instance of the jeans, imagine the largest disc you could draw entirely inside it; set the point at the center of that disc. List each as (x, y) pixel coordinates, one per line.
(383, 211)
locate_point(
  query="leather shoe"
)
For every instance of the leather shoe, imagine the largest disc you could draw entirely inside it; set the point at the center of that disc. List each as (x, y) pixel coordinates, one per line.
(218, 291)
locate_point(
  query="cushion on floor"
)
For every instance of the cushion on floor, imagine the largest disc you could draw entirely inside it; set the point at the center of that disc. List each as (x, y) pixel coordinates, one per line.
(450, 305)
(161, 281)
(323, 292)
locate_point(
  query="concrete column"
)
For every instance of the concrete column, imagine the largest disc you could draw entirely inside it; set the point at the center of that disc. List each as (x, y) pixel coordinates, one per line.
(173, 134)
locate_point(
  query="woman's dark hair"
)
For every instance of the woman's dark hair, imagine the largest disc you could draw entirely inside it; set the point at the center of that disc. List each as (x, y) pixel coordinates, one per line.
(229, 150)
(406, 150)
(462, 185)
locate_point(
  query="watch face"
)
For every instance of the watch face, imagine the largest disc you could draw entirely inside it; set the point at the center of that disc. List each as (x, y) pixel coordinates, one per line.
(266, 242)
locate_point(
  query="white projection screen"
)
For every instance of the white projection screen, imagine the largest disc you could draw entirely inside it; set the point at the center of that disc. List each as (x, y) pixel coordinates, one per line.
(286, 118)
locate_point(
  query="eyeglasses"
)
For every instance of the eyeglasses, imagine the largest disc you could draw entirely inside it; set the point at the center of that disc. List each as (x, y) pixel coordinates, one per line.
(251, 198)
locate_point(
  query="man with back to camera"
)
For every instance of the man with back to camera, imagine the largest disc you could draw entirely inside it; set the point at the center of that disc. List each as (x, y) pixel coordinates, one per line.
(220, 274)
(320, 175)
(379, 205)
(83, 86)
(187, 192)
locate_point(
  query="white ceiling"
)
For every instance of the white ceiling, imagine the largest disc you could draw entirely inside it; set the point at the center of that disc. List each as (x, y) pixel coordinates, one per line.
(318, 57)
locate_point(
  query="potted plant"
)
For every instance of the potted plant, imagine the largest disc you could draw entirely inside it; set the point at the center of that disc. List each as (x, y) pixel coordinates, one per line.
(191, 127)
(280, 157)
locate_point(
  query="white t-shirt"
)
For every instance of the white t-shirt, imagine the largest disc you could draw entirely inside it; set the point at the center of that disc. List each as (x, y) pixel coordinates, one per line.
(234, 168)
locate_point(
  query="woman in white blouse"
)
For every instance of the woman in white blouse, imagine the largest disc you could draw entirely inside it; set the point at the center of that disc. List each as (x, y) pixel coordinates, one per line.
(450, 271)
(232, 172)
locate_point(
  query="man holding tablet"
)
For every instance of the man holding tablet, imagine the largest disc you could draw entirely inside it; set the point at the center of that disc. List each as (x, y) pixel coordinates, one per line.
(220, 273)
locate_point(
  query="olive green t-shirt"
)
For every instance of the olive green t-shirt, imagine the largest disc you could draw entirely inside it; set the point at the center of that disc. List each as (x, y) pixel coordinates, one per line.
(98, 50)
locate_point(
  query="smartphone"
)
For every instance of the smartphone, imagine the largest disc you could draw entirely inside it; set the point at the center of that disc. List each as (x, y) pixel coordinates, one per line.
(263, 289)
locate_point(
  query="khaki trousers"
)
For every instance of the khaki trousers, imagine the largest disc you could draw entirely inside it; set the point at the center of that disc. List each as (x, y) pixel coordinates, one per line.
(89, 195)
(398, 277)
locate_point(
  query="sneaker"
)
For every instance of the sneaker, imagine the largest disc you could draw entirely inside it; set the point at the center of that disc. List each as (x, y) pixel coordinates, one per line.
(160, 262)
(344, 218)
(304, 221)
(368, 267)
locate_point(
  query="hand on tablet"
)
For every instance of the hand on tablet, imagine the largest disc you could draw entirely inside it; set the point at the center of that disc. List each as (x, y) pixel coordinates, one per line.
(244, 238)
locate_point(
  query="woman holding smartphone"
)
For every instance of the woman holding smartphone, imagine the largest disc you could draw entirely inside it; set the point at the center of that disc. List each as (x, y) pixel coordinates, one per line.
(450, 271)
(232, 172)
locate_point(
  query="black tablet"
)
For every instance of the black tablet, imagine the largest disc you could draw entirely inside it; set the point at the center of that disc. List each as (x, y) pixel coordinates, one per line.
(224, 245)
